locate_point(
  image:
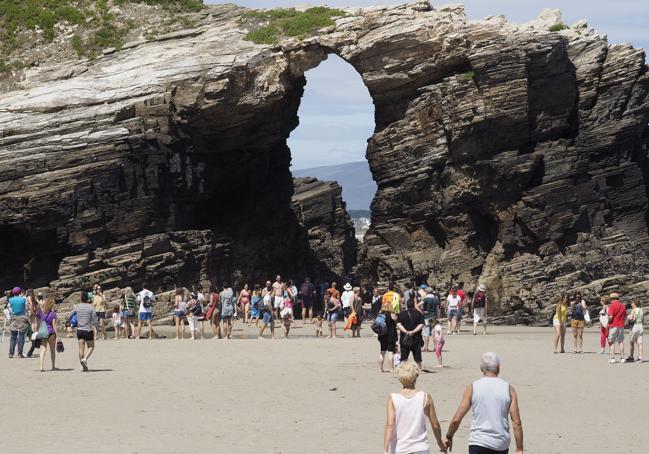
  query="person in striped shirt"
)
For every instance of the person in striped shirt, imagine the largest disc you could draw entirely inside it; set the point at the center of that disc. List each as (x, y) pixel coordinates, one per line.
(87, 319)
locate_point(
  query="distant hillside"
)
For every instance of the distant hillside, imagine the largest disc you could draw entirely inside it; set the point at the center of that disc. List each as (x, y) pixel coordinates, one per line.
(355, 178)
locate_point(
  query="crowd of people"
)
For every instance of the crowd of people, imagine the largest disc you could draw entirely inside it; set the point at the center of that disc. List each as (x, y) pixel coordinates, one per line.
(613, 319)
(406, 321)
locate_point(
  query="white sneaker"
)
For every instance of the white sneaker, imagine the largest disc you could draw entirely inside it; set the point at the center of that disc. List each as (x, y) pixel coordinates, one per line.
(612, 361)
(623, 360)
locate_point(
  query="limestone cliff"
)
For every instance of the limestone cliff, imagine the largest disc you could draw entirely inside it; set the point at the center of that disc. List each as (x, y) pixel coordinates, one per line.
(504, 153)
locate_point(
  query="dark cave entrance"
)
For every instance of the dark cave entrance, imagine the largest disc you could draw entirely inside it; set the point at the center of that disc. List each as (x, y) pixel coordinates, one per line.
(29, 258)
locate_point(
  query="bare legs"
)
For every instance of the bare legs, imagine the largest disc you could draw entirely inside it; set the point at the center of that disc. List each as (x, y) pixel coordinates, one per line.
(559, 335)
(332, 329)
(51, 341)
(578, 339)
(382, 358)
(85, 354)
(180, 327)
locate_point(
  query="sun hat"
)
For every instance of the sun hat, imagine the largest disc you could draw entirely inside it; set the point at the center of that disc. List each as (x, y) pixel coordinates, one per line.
(348, 286)
(613, 295)
(16, 291)
(482, 288)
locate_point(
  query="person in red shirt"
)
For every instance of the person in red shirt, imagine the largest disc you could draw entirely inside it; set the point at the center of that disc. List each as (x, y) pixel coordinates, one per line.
(462, 295)
(616, 318)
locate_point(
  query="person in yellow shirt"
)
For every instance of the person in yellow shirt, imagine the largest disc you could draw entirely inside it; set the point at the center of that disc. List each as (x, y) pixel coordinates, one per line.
(559, 322)
(392, 297)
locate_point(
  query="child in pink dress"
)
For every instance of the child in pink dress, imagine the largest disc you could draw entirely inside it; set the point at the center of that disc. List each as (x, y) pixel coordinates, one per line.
(439, 343)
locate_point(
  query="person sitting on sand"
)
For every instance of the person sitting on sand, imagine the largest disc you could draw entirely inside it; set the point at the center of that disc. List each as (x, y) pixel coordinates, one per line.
(492, 402)
(559, 322)
(408, 409)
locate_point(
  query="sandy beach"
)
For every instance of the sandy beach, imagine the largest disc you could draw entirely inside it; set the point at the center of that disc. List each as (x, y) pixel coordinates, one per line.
(307, 395)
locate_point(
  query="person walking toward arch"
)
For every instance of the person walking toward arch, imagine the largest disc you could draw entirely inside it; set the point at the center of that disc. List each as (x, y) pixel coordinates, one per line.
(492, 402)
(226, 299)
(146, 300)
(387, 336)
(87, 324)
(479, 305)
(214, 312)
(346, 300)
(307, 294)
(48, 316)
(19, 321)
(405, 427)
(636, 317)
(410, 322)
(129, 309)
(99, 301)
(180, 313)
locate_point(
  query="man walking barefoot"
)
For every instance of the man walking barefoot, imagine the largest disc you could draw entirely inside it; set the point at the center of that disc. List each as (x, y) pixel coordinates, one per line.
(87, 320)
(491, 401)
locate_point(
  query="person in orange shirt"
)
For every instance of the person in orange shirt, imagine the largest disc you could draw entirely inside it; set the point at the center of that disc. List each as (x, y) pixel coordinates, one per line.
(392, 297)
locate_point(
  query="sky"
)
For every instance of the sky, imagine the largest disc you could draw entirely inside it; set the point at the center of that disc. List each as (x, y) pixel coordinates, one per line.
(336, 113)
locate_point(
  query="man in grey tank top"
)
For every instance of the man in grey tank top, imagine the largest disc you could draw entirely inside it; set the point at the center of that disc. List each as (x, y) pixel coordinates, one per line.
(492, 402)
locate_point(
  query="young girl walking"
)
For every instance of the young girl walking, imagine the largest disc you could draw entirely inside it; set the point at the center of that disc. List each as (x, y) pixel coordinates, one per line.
(117, 320)
(439, 342)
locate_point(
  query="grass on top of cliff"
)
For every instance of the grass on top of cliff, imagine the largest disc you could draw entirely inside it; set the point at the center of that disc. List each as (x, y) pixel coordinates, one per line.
(98, 19)
(267, 26)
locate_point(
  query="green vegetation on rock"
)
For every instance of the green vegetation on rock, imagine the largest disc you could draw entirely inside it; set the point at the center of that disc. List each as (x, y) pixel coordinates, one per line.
(267, 27)
(469, 75)
(95, 16)
(558, 27)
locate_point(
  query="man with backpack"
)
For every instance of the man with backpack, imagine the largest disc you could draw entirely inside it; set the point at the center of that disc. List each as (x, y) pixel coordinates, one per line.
(479, 305)
(392, 297)
(145, 314)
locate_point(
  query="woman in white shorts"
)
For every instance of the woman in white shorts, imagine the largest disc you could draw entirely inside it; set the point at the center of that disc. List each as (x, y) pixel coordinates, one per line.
(636, 316)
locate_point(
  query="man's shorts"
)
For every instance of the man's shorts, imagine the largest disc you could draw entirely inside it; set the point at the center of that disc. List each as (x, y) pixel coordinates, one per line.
(307, 302)
(615, 335)
(267, 317)
(636, 334)
(277, 302)
(87, 336)
(428, 328)
(146, 316)
(577, 323)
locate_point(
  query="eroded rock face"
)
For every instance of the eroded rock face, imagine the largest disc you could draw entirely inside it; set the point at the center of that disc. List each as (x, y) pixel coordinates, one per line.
(320, 208)
(503, 153)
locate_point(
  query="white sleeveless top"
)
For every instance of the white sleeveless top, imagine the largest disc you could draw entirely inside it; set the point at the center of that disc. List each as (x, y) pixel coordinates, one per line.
(411, 435)
(490, 408)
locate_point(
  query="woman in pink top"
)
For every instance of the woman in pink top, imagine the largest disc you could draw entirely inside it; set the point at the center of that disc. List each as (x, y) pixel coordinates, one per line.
(405, 428)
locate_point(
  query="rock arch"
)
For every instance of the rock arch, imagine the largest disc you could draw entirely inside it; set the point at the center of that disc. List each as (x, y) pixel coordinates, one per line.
(140, 160)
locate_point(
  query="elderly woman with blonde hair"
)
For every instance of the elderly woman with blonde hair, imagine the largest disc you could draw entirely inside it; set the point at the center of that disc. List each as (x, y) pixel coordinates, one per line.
(408, 409)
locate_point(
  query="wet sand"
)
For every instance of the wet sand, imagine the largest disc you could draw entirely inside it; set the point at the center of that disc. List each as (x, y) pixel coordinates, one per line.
(307, 395)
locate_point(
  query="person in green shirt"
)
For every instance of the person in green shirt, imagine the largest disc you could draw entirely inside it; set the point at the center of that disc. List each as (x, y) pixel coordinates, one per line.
(636, 317)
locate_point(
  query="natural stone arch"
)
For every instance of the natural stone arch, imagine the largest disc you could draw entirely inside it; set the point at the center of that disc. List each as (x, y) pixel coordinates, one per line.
(540, 135)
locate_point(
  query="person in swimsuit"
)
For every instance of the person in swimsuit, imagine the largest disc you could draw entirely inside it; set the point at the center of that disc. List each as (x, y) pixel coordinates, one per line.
(244, 303)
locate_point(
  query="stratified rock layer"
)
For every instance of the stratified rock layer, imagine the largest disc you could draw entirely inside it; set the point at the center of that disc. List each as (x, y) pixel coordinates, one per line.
(503, 153)
(319, 207)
